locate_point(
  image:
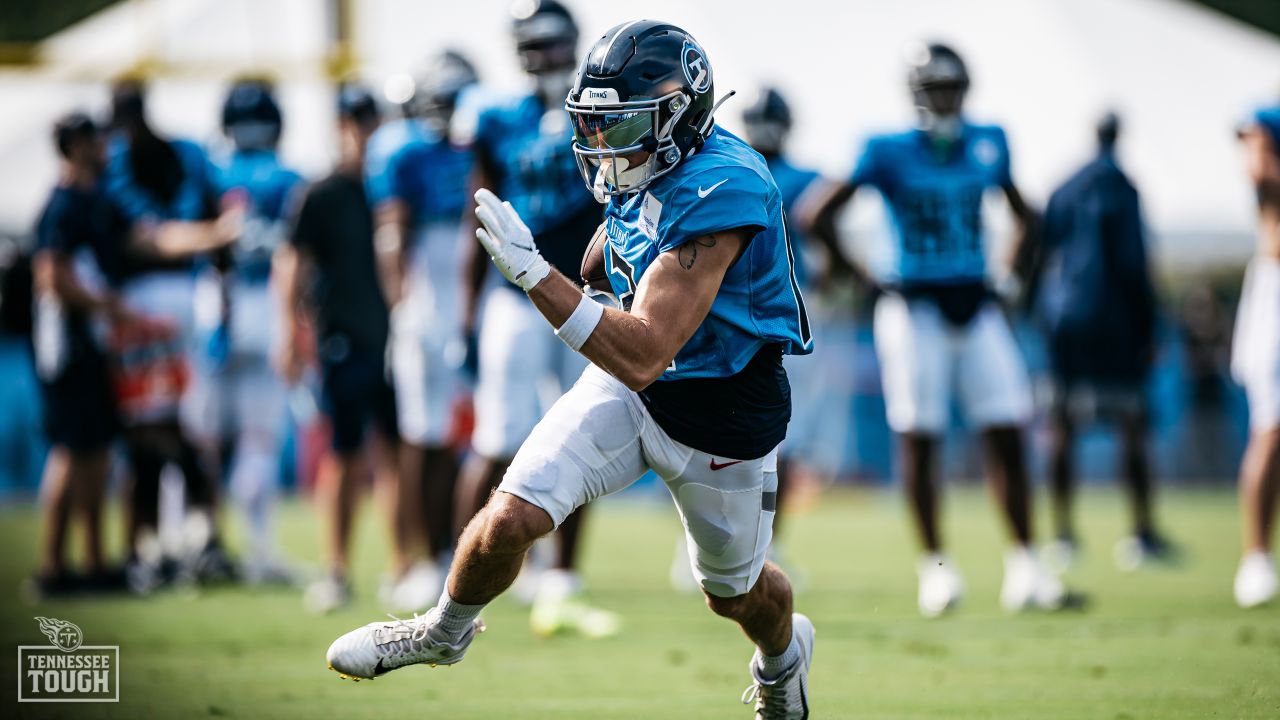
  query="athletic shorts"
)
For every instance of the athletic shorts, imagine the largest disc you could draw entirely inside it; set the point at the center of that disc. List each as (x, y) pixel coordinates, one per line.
(355, 394)
(926, 361)
(1255, 349)
(524, 368)
(79, 403)
(598, 439)
(426, 333)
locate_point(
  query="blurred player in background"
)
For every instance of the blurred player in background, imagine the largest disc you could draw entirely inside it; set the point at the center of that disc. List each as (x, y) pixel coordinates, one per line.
(1098, 306)
(328, 264)
(767, 121)
(79, 225)
(521, 153)
(238, 399)
(687, 379)
(939, 332)
(1255, 362)
(417, 181)
(167, 190)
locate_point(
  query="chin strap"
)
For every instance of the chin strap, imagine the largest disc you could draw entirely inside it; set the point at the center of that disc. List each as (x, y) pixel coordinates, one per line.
(711, 116)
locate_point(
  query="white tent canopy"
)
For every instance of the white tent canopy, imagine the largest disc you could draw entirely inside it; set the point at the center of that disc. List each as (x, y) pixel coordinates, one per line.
(1181, 76)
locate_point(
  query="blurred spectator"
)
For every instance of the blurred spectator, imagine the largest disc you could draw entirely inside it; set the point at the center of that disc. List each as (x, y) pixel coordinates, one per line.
(1098, 308)
(166, 191)
(1255, 362)
(330, 259)
(80, 410)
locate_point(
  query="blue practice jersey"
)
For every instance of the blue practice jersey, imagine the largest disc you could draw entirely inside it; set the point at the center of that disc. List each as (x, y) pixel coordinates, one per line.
(531, 153)
(724, 185)
(792, 183)
(194, 197)
(406, 162)
(936, 204)
(269, 189)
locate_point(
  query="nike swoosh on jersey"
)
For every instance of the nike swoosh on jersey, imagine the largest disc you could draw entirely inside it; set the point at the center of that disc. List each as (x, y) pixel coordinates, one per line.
(703, 193)
(720, 466)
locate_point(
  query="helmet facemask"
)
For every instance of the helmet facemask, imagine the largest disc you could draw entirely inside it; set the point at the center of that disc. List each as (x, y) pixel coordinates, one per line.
(610, 136)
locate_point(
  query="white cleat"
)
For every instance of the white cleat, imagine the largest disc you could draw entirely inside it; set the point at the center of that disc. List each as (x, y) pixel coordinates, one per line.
(941, 587)
(417, 589)
(1256, 581)
(327, 594)
(560, 608)
(1028, 585)
(380, 647)
(787, 696)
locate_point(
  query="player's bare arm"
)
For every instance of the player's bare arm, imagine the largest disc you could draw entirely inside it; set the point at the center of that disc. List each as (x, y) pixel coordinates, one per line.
(672, 300)
(476, 261)
(181, 239)
(55, 273)
(390, 242)
(1024, 252)
(289, 272)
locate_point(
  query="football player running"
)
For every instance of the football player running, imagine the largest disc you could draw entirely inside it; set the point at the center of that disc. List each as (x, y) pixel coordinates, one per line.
(238, 399)
(1255, 361)
(938, 331)
(521, 153)
(686, 377)
(417, 181)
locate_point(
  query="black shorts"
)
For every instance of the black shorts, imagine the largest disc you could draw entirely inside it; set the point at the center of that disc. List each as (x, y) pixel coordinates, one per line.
(356, 393)
(80, 404)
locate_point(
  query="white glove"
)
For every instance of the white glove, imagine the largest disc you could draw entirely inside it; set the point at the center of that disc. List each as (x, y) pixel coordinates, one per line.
(508, 242)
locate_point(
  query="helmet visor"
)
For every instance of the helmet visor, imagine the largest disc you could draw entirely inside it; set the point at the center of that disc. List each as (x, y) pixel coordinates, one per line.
(611, 131)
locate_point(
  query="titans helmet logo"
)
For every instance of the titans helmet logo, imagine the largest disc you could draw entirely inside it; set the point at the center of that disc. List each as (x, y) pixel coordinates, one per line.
(697, 71)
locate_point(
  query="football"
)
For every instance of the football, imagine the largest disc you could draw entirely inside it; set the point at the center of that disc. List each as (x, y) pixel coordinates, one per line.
(593, 270)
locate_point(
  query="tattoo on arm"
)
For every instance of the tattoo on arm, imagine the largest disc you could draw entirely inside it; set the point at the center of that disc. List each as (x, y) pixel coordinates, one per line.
(688, 253)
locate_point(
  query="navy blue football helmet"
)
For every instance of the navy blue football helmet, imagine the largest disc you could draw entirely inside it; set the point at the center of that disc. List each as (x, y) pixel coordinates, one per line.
(250, 115)
(768, 121)
(546, 36)
(938, 80)
(644, 89)
(437, 86)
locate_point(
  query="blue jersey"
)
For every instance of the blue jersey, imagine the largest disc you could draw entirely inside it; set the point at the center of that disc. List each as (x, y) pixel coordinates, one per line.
(193, 195)
(269, 189)
(935, 205)
(430, 175)
(724, 185)
(530, 152)
(792, 183)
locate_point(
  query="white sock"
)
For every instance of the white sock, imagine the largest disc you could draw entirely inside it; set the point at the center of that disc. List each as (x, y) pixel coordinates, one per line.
(455, 617)
(772, 667)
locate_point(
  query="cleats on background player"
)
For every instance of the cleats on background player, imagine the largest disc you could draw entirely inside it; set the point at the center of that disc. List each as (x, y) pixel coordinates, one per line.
(416, 590)
(1256, 582)
(380, 647)
(1135, 552)
(786, 697)
(559, 607)
(327, 594)
(1029, 586)
(941, 587)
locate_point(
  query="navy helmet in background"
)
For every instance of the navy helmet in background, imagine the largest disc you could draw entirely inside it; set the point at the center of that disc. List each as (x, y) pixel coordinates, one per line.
(251, 116)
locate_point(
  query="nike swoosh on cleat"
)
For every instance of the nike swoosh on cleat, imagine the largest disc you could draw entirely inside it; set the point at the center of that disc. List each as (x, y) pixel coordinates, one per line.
(703, 193)
(715, 465)
(379, 669)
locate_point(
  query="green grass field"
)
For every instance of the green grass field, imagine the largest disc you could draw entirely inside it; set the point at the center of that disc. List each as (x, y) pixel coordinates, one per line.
(1157, 644)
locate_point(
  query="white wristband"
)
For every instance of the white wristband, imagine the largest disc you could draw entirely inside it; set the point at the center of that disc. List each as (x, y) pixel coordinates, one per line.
(575, 331)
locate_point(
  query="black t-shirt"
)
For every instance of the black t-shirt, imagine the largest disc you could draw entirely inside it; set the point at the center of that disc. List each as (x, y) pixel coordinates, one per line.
(76, 220)
(741, 417)
(334, 226)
